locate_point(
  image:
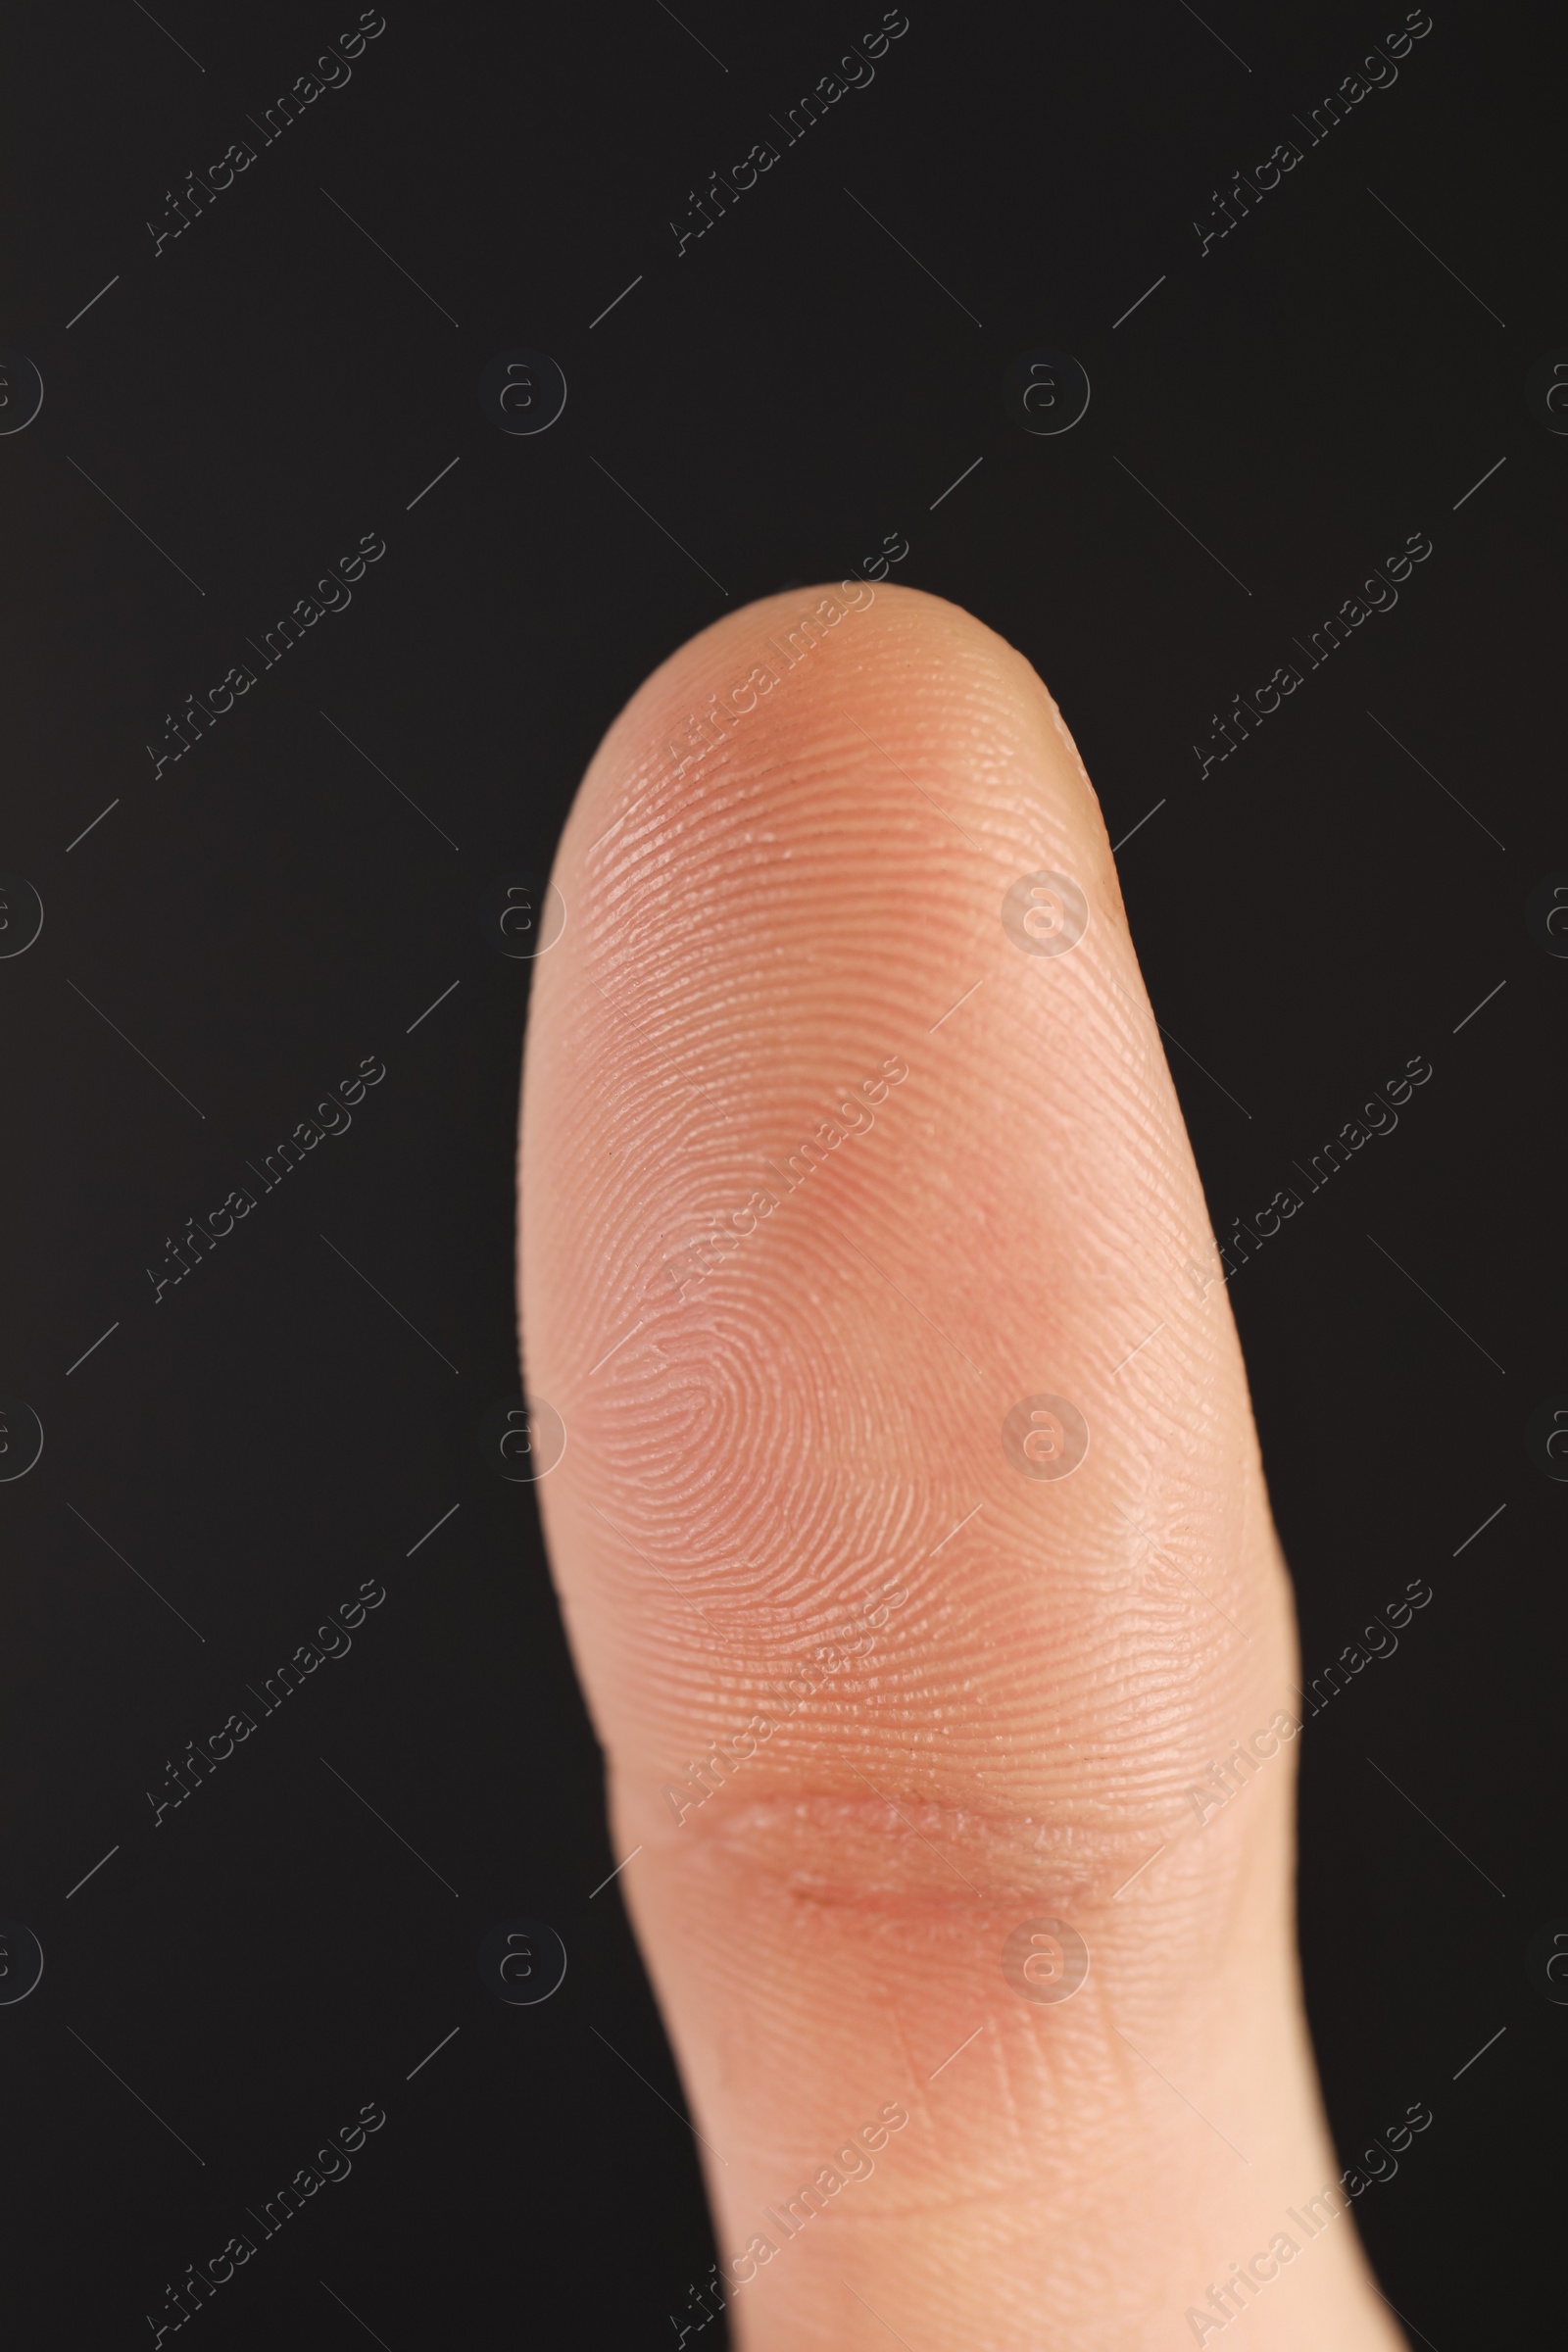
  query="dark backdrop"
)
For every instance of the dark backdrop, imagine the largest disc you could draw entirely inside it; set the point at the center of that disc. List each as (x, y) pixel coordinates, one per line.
(230, 933)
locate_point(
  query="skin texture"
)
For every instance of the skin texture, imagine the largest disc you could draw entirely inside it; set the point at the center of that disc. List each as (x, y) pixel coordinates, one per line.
(785, 1502)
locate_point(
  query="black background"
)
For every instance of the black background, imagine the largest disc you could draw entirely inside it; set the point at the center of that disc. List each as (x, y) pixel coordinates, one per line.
(263, 912)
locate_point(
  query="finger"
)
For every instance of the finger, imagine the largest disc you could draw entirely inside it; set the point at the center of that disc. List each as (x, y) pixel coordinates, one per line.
(911, 1528)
